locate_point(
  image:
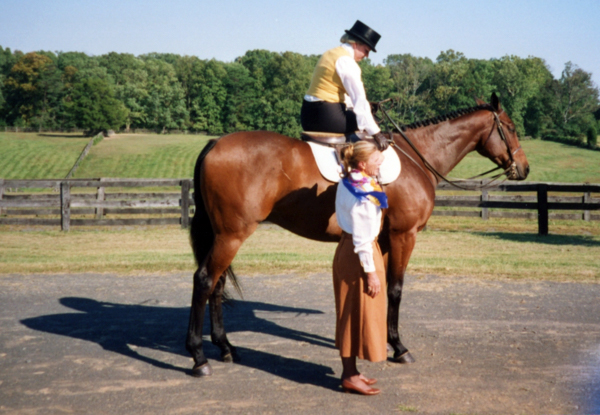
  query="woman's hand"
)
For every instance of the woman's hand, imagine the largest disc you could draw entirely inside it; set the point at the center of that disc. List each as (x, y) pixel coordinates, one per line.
(373, 284)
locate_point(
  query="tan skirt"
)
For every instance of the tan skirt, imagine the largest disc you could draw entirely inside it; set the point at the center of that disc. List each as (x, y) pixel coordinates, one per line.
(361, 326)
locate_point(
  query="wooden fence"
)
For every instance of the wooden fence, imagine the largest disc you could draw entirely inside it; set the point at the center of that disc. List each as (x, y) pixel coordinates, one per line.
(96, 202)
(109, 202)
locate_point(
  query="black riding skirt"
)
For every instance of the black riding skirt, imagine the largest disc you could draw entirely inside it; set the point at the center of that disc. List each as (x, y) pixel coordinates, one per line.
(328, 117)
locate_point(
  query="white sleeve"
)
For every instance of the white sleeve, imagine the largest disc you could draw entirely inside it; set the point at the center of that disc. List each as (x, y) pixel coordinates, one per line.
(363, 216)
(350, 74)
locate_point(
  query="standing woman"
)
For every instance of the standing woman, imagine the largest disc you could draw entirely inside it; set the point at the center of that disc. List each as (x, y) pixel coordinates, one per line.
(337, 84)
(358, 269)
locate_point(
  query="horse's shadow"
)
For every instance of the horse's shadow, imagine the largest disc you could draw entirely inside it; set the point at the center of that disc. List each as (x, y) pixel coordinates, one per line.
(123, 328)
(575, 240)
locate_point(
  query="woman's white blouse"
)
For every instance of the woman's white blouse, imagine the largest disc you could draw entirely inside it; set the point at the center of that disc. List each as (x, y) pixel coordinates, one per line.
(360, 218)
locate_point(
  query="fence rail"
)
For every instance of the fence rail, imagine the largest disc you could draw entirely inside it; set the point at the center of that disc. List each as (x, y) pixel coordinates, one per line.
(74, 202)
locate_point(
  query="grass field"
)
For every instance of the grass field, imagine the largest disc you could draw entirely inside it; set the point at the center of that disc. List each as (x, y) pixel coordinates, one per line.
(40, 156)
(497, 248)
(141, 156)
(482, 253)
(549, 162)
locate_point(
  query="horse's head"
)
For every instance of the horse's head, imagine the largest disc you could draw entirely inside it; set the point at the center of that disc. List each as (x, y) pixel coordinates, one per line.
(501, 144)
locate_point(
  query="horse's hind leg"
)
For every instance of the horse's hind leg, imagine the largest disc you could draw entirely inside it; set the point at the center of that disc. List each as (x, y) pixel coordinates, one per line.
(217, 329)
(206, 279)
(193, 342)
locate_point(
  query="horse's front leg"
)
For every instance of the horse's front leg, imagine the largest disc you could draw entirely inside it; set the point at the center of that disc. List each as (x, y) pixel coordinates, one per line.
(217, 329)
(401, 247)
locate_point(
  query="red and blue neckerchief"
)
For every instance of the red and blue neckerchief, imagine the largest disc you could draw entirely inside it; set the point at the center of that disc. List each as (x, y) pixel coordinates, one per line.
(365, 187)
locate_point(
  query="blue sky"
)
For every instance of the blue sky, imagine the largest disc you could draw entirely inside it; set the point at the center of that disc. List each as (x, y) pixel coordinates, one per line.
(556, 31)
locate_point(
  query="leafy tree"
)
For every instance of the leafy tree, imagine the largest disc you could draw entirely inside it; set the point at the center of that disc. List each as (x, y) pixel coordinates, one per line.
(243, 96)
(7, 60)
(129, 80)
(408, 75)
(94, 108)
(165, 102)
(592, 136)
(33, 89)
(209, 97)
(279, 83)
(578, 99)
(133, 93)
(377, 79)
(290, 78)
(445, 82)
(519, 81)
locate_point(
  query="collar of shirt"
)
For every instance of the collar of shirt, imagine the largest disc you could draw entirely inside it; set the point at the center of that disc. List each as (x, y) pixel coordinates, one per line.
(349, 48)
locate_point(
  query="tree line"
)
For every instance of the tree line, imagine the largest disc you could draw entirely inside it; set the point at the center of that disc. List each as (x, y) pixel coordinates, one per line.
(263, 90)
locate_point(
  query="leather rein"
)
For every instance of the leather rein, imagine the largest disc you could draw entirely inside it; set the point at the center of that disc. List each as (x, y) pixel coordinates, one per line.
(454, 183)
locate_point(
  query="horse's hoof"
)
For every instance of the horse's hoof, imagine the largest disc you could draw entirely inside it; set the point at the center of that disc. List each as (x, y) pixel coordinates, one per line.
(202, 370)
(231, 357)
(406, 357)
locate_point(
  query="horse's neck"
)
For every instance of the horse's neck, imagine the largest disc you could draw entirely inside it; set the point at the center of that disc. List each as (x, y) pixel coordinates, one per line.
(445, 144)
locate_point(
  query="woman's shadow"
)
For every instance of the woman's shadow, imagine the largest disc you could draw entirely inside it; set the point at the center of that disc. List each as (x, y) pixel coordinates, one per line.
(117, 327)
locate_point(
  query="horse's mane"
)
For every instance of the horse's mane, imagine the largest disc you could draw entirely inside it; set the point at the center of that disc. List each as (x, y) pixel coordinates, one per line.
(445, 117)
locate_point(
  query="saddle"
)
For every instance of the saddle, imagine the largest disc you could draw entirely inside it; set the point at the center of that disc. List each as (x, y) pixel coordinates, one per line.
(333, 139)
(326, 148)
(336, 141)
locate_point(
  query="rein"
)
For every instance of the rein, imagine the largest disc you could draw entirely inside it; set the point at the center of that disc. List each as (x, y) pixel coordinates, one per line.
(441, 176)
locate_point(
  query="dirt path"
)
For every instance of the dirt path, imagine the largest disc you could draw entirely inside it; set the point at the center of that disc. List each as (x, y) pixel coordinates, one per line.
(107, 344)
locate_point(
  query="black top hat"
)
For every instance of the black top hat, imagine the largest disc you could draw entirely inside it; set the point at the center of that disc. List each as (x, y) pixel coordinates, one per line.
(365, 34)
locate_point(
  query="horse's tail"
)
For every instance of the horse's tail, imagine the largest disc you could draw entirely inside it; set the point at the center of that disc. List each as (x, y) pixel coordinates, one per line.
(202, 235)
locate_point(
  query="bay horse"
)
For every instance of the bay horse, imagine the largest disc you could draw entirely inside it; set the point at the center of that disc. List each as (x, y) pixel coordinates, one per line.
(244, 178)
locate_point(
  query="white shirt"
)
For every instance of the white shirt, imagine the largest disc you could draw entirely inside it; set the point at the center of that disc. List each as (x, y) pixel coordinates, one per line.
(351, 76)
(362, 219)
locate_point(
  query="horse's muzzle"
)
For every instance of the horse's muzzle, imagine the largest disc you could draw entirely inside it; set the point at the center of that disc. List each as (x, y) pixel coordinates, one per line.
(517, 171)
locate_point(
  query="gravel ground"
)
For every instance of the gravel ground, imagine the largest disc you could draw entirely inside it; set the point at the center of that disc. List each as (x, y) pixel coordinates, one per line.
(105, 344)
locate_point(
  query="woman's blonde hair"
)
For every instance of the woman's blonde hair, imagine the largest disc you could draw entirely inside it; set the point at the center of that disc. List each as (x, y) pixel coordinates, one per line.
(355, 153)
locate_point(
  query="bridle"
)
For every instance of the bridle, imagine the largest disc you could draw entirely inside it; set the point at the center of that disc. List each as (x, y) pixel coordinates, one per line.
(503, 137)
(511, 171)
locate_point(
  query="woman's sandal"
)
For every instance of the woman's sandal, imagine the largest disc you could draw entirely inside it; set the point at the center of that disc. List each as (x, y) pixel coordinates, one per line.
(351, 387)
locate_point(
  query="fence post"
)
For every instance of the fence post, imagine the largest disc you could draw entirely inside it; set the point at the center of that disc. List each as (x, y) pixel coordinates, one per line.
(587, 198)
(185, 204)
(65, 206)
(485, 214)
(100, 197)
(542, 199)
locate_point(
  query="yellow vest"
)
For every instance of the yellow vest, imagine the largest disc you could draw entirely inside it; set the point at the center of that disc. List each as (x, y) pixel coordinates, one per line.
(326, 83)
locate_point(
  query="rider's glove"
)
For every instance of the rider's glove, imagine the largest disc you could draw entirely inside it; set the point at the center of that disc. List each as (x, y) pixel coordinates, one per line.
(381, 140)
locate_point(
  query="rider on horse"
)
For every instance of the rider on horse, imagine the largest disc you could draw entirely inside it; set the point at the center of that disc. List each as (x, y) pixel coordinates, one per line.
(337, 84)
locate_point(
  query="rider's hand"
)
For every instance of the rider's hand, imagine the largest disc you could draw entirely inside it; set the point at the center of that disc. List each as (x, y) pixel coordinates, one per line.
(381, 140)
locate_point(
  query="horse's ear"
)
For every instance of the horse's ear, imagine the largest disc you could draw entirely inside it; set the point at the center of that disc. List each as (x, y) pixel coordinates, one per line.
(496, 102)
(480, 101)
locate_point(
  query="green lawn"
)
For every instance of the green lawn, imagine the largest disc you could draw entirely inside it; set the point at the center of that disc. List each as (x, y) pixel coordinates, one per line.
(143, 156)
(549, 162)
(503, 254)
(40, 156)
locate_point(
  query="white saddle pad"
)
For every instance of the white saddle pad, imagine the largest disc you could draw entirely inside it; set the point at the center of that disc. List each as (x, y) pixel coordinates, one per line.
(331, 169)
